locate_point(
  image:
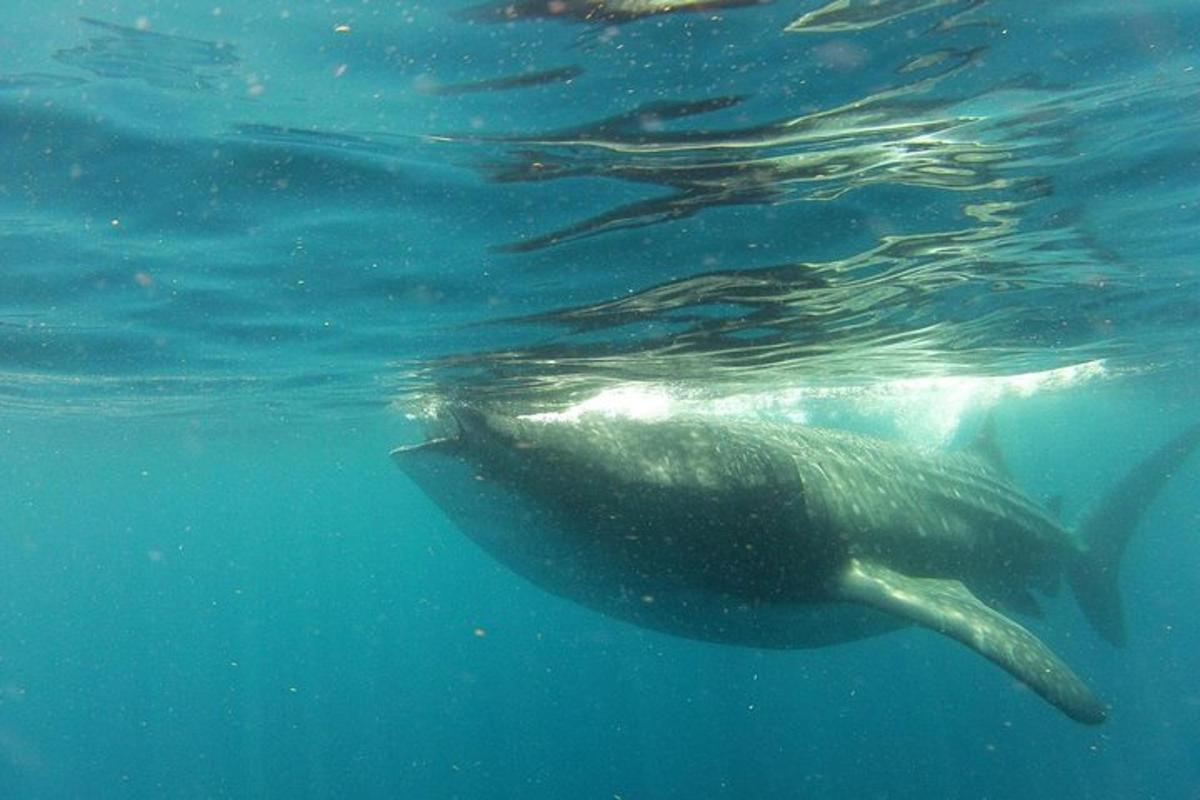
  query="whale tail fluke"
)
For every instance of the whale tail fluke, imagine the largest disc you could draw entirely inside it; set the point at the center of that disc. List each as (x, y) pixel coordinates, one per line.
(1106, 530)
(1094, 581)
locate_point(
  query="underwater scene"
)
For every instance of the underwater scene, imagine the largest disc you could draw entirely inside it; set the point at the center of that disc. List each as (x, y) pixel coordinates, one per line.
(616, 399)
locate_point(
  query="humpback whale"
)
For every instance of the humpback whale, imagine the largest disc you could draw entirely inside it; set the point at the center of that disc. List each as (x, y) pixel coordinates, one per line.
(784, 536)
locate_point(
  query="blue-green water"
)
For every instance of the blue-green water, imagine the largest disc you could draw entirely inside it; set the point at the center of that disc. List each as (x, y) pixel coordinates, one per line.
(239, 247)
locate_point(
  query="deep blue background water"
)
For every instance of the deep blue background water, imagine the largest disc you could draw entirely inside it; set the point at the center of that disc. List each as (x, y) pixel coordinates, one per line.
(237, 244)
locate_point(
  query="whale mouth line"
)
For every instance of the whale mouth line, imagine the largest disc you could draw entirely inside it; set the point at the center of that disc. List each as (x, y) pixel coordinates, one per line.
(428, 443)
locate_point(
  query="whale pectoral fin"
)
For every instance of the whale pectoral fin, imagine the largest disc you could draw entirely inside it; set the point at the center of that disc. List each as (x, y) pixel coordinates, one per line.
(947, 607)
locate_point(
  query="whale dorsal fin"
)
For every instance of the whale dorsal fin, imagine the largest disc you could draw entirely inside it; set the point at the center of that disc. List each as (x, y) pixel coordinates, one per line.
(947, 607)
(985, 448)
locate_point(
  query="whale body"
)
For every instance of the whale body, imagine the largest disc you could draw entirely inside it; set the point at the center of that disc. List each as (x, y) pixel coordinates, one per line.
(784, 536)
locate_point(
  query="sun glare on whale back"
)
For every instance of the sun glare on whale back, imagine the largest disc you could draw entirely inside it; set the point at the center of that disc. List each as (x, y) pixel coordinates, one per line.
(632, 401)
(922, 411)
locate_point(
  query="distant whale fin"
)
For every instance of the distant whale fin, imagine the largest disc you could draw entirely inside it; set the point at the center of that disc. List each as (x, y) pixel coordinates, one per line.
(948, 608)
(1107, 528)
(1020, 601)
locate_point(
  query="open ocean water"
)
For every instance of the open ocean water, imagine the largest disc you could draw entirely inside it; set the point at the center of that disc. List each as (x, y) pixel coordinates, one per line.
(243, 245)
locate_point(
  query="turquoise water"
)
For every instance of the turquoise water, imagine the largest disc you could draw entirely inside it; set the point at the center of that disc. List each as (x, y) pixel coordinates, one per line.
(241, 247)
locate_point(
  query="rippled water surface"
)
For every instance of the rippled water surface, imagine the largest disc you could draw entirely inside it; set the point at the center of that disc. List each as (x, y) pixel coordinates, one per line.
(323, 206)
